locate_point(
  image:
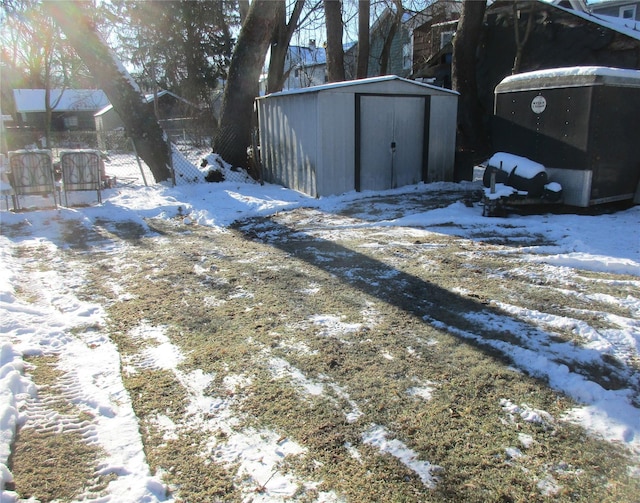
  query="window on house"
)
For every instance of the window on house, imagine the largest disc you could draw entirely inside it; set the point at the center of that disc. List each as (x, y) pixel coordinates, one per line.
(71, 121)
(445, 38)
(406, 56)
(628, 12)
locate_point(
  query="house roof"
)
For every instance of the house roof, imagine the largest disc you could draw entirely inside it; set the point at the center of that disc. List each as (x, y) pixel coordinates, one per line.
(348, 83)
(149, 98)
(86, 100)
(304, 56)
(629, 27)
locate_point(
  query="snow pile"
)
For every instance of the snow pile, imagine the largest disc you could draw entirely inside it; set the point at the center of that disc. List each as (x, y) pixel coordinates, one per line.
(212, 169)
(13, 386)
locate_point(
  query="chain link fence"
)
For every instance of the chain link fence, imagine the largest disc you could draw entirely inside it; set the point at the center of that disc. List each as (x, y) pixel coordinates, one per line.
(192, 160)
(121, 162)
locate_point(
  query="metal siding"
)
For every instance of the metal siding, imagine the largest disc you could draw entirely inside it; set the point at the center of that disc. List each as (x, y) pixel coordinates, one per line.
(288, 140)
(442, 138)
(376, 133)
(387, 120)
(336, 144)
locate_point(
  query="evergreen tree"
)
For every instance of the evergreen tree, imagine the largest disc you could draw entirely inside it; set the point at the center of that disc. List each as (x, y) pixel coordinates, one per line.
(180, 45)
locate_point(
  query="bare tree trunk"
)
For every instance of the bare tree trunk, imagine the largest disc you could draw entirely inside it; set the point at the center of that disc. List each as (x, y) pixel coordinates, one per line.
(471, 136)
(335, 52)
(234, 134)
(364, 12)
(280, 45)
(520, 44)
(123, 93)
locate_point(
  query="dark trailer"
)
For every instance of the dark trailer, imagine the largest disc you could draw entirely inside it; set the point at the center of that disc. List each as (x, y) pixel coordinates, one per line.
(581, 123)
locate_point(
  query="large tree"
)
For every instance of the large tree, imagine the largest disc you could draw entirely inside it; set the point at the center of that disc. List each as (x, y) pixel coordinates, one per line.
(335, 52)
(280, 44)
(122, 91)
(364, 12)
(471, 135)
(234, 133)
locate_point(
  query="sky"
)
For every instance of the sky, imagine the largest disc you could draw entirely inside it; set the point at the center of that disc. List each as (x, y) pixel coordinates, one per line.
(608, 242)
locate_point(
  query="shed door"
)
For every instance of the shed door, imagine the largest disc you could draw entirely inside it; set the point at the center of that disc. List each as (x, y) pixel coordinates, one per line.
(391, 141)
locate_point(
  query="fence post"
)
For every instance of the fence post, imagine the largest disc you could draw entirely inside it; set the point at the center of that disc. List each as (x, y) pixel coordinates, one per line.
(171, 170)
(144, 178)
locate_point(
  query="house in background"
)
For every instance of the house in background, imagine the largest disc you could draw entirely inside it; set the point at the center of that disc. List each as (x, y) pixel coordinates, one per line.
(306, 66)
(73, 109)
(625, 9)
(432, 47)
(421, 36)
(399, 61)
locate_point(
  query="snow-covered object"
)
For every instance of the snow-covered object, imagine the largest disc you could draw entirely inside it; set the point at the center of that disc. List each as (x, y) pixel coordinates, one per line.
(510, 162)
(552, 192)
(574, 71)
(518, 172)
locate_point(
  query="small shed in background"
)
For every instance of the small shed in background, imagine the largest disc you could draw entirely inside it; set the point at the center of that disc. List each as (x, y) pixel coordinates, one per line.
(369, 134)
(170, 107)
(73, 109)
(581, 123)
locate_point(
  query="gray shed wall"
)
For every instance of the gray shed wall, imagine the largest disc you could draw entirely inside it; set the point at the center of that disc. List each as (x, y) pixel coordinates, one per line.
(336, 141)
(289, 143)
(442, 138)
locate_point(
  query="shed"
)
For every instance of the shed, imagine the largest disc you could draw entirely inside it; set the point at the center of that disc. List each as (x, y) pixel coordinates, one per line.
(171, 108)
(581, 123)
(369, 134)
(73, 109)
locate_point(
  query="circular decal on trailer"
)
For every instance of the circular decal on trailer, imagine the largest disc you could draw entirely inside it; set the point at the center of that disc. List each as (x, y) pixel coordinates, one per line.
(538, 105)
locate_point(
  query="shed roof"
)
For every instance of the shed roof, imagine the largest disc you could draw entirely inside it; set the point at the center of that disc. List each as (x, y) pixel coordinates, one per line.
(359, 82)
(87, 100)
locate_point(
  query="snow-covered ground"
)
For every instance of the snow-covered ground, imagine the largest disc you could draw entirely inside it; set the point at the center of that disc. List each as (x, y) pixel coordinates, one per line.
(607, 242)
